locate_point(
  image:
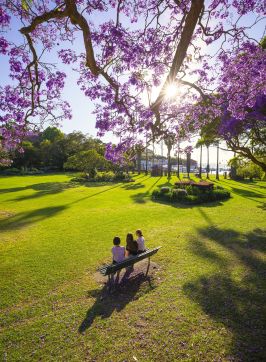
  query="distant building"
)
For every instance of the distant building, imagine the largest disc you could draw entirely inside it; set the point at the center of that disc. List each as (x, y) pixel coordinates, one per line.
(162, 161)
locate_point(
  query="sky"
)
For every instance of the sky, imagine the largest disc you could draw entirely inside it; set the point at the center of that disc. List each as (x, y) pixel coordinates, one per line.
(82, 107)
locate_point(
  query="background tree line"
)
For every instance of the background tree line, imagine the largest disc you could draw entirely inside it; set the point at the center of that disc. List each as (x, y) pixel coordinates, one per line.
(51, 149)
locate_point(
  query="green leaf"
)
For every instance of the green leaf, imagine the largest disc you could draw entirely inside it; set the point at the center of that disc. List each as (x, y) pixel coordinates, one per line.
(25, 4)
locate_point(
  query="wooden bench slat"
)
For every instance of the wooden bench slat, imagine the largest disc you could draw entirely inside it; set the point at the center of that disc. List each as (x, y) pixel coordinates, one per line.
(112, 268)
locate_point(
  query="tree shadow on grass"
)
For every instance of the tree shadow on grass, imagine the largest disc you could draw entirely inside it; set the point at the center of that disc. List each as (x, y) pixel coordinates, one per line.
(96, 193)
(42, 189)
(239, 304)
(180, 205)
(135, 186)
(108, 302)
(262, 206)
(167, 183)
(247, 193)
(51, 188)
(23, 219)
(245, 184)
(140, 198)
(251, 184)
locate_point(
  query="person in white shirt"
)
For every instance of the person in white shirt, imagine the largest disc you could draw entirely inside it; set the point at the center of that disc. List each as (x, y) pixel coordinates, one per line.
(141, 241)
(118, 251)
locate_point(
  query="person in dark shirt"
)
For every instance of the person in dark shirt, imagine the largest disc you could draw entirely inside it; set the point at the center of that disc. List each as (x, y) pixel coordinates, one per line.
(131, 245)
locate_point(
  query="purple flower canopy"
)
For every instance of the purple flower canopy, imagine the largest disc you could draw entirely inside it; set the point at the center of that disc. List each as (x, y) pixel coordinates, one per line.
(133, 51)
(231, 126)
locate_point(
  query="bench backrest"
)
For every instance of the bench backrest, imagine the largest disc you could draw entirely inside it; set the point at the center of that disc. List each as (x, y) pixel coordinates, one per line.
(112, 268)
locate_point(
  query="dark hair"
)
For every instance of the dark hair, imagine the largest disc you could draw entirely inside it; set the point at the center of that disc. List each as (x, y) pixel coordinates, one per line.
(139, 232)
(130, 238)
(116, 240)
(132, 245)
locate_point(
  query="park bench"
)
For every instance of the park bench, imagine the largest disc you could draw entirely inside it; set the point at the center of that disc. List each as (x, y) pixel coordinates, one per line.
(111, 269)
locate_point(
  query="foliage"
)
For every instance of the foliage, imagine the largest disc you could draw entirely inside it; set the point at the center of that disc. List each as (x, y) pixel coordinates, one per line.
(237, 113)
(178, 194)
(122, 58)
(109, 176)
(190, 194)
(51, 134)
(50, 149)
(87, 161)
(5, 160)
(246, 169)
(15, 171)
(165, 190)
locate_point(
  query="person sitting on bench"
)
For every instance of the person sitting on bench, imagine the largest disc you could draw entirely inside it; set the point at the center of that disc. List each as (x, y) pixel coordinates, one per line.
(140, 241)
(118, 251)
(131, 246)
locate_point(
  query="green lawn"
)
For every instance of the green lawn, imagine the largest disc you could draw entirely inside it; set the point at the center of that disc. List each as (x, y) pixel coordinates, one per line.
(206, 302)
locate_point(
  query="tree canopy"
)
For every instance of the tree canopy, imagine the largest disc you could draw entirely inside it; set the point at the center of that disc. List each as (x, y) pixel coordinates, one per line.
(87, 161)
(145, 64)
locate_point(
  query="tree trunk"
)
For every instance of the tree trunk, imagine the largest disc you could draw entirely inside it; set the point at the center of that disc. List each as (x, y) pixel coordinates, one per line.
(169, 147)
(146, 156)
(208, 163)
(191, 21)
(200, 168)
(217, 163)
(153, 154)
(139, 161)
(188, 164)
(178, 164)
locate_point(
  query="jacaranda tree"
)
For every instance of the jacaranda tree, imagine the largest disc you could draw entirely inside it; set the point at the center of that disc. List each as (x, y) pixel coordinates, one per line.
(144, 63)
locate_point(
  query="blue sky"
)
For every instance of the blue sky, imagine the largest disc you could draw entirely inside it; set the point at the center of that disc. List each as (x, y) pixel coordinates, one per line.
(82, 107)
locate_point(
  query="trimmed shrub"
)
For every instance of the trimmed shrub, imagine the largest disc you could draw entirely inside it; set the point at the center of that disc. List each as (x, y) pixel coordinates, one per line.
(11, 171)
(206, 197)
(122, 176)
(78, 179)
(195, 195)
(178, 194)
(104, 177)
(165, 190)
(193, 199)
(16, 171)
(156, 194)
(189, 190)
(221, 194)
(196, 191)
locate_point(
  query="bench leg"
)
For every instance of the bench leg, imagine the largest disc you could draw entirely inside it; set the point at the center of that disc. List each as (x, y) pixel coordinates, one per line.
(110, 281)
(148, 267)
(117, 277)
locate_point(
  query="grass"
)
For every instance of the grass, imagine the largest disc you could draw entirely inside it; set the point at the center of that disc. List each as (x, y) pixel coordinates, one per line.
(206, 302)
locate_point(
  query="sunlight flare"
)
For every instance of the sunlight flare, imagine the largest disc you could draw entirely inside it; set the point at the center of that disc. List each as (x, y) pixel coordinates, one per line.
(171, 91)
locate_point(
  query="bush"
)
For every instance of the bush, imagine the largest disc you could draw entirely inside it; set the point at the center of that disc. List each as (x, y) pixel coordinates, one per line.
(221, 194)
(165, 190)
(122, 176)
(11, 171)
(33, 171)
(197, 195)
(196, 191)
(104, 177)
(78, 179)
(16, 171)
(191, 199)
(156, 194)
(189, 189)
(178, 194)
(206, 197)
